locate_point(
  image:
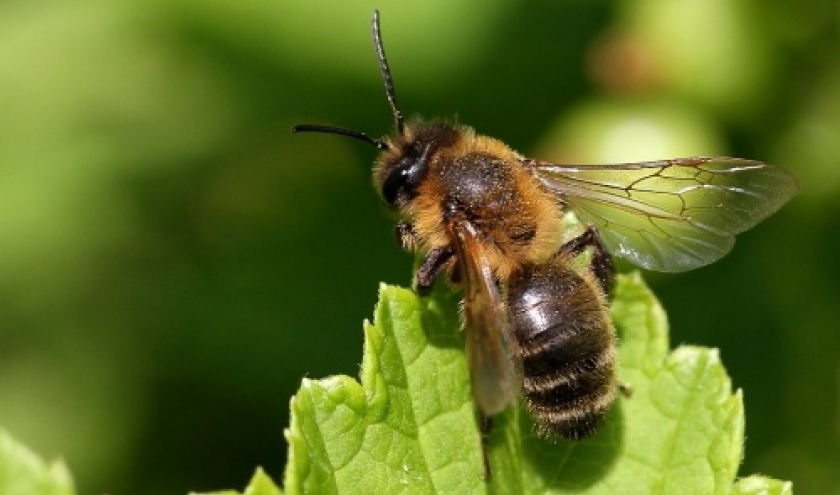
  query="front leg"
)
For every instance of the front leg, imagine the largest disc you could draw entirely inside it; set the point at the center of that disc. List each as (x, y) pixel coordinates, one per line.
(432, 264)
(430, 268)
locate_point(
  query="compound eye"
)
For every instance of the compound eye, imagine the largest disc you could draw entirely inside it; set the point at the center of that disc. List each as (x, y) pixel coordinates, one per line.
(402, 181)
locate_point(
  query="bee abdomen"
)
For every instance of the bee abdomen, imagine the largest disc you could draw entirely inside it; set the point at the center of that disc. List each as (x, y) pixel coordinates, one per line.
(566, 339)
(572, 405)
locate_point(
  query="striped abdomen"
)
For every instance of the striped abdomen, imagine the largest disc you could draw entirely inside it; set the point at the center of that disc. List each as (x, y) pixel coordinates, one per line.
(565, 333)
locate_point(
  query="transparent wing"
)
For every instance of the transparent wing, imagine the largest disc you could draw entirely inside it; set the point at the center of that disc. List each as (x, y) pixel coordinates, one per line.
(495, 364)
(670, 215)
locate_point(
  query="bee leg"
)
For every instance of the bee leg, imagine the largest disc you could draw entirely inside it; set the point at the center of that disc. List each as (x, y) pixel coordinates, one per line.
(486, 426)
(625, 389)
(432, 264)
(430, 268)
(601, 263)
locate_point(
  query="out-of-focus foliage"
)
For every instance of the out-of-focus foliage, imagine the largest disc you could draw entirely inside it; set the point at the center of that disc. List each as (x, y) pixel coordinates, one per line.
(172, 261)
(24, 473)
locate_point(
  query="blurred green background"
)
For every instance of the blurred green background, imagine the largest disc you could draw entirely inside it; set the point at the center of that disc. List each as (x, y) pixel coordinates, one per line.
(173, 261)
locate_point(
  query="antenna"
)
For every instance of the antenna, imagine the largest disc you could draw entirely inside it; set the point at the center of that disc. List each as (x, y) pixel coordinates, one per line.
(389, 92)
(386, 74)
(328, 129)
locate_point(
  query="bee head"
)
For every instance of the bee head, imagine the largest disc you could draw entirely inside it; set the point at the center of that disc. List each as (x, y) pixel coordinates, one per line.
(404, 163)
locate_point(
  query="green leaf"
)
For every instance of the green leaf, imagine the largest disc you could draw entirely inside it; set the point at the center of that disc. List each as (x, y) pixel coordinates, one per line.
(23, 473)
(261, 484)
(759, 485)
(410, 426)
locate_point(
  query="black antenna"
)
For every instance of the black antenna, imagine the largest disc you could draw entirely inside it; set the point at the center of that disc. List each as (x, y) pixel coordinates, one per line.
(386, 74)
(361, 136)
(389, 92)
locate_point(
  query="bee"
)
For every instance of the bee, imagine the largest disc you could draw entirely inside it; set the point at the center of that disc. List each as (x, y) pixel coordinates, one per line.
(530, 244)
